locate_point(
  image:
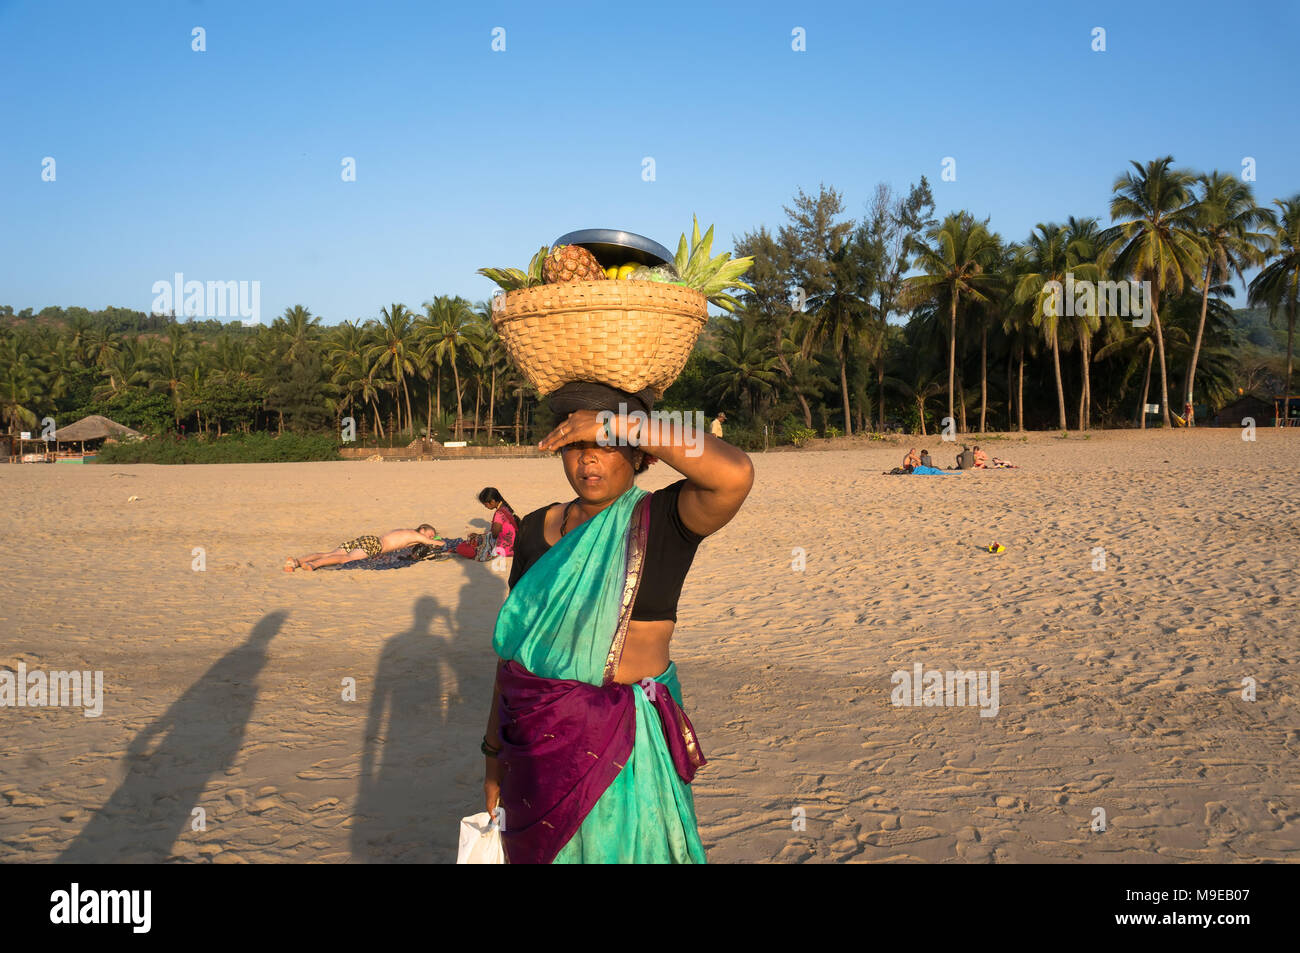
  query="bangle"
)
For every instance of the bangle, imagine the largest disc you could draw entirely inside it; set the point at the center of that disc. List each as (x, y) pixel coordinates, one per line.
(487, 749)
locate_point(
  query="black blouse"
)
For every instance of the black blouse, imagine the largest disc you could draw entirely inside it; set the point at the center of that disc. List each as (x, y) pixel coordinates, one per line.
(670, 549)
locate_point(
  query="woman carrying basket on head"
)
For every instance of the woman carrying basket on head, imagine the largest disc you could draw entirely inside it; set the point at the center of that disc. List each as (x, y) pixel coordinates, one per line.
(588, 750)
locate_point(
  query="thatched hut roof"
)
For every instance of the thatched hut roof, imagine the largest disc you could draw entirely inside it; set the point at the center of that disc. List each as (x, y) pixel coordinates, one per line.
(93, 427)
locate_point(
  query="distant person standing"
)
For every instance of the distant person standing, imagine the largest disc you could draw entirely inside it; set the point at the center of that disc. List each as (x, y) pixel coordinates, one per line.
(715, 428)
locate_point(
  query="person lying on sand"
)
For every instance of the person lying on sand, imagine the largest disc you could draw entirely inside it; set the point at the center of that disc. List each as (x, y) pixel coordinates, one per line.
(364, 547)
(1002, 465)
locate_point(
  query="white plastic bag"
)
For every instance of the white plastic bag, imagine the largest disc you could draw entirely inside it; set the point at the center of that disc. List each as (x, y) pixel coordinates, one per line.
(480, 840)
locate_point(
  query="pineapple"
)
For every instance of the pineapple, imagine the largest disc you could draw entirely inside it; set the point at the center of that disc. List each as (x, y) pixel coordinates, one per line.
(571, 263)
(712, 277)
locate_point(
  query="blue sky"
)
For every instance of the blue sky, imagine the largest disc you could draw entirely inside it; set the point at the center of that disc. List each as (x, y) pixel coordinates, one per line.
(225, 164)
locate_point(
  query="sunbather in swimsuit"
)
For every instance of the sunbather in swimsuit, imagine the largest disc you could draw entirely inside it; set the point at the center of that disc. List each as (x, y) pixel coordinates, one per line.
(370, 544)
(367, 546)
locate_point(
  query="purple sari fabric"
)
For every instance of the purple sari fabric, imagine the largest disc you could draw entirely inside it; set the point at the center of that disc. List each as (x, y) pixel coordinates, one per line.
(563, 743)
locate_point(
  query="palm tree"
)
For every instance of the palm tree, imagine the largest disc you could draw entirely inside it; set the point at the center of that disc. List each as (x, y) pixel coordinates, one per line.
(1048, 261)
(920, 389)
(1227, 216)
(1155, 239)
(1136, 344)
(479, 334)
(955, 262)
(496, 360)
(172, 358)
(295, 330)
(1278, 284)
(345, 351)
(126, 365)
(19, 382)
(446, 329)
(396, 348)
(838, 314)
(1081, 236)
(747, 368)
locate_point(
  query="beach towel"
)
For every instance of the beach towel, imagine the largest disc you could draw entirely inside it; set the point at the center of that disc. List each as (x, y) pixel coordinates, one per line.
(592, 771)
(395, 560)
(935, 471)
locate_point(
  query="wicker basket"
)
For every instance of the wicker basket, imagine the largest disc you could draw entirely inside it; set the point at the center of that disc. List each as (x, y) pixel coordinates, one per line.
(628, 334)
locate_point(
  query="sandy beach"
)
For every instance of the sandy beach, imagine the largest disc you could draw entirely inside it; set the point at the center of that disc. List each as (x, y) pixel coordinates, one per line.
(228, 733)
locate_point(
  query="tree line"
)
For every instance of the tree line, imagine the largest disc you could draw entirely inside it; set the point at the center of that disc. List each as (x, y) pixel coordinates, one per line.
(893, 319)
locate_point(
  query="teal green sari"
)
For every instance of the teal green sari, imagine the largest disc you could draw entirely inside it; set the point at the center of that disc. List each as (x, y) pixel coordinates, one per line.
(567, 619)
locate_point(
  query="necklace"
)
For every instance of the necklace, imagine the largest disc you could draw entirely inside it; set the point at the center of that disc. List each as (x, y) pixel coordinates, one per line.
(564, 520)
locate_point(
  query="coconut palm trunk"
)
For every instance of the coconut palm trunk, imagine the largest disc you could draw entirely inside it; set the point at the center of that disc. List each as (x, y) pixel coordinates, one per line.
(1200, 330)
(478, 403)
(1060, 387)
(1146, 388)
(459, 410)
(789, 376)
(1290, 338)
(1020, 393)
(1087, 383)
(410, 418)
(1160, 344)
(961, 404)
(952, 356)
(844, 392)
(1011, 391)
(984, 375)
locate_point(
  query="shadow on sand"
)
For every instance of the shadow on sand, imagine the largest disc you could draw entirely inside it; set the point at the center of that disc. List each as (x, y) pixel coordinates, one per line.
(195, 740)
(421, 770)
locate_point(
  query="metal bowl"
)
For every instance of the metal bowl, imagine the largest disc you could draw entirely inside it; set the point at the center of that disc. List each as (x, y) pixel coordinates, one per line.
(614, 247)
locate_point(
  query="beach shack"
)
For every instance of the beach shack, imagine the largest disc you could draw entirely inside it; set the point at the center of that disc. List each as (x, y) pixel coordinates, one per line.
(1287, 410)
(78, 442)
(1247, 405)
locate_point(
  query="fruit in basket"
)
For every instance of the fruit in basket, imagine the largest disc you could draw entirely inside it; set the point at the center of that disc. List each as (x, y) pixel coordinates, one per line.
(625, 271)
(571, 263)
(512, 279)
(664, 274)
(611, 272)
(712, 277)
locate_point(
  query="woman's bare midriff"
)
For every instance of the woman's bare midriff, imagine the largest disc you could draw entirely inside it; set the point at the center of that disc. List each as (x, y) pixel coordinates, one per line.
(645, 650)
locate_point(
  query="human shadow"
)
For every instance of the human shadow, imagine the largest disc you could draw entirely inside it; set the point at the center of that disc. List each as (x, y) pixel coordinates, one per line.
(171, 761)
(420, 753)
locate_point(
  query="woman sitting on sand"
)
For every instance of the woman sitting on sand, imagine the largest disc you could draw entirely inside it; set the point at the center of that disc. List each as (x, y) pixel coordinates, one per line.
(587, 748)
(505, 525)
(981, 458)
(364, 547)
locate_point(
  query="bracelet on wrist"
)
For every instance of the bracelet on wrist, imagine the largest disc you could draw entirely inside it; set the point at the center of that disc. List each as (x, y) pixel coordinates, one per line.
(487, 749)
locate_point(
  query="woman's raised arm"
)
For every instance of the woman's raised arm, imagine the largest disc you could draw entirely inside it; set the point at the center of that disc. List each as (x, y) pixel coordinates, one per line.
(719, 476)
